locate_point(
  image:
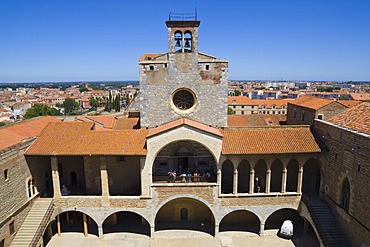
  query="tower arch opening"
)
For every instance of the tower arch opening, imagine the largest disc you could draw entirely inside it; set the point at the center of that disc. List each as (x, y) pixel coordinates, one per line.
(184, 161)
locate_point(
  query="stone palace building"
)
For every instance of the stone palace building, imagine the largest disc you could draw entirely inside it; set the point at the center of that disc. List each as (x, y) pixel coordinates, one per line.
(97, 181)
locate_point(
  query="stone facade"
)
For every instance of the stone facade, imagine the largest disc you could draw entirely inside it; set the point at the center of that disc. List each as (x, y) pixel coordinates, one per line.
(347, 160)
(302, 115)
(204, 76)
(17, 191)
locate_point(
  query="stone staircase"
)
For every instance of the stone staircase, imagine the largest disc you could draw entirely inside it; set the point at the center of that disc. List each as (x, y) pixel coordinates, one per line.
(331, 234)
(32, 228)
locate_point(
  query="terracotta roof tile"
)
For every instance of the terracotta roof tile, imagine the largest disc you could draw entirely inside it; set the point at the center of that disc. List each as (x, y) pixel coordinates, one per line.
(14, 134)
(269, 140)
(127, 123)
(356, 118)
(311, 102)
(255, 120)
(240, 100)
(349, 103)
(180, 122)
(76, 138)
(361, 96)
(149, 56)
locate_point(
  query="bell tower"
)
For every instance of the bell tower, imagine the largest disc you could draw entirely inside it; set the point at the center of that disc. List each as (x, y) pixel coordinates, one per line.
(183, 82)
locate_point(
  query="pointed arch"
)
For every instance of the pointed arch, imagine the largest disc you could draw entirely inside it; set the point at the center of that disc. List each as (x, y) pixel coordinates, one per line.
(243, 176)
(227, 182)
(276, 175)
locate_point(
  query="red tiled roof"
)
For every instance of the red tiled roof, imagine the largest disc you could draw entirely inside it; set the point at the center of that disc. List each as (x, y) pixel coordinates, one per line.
(356, 118)
(180, 122)
(272, 140)
(76, 138)
(349, 103)
(14, 134)
(107, 121)
(361, 96)
(240, 100)
(126, 123)
(311, 102)
(149, 56)
(255, 120)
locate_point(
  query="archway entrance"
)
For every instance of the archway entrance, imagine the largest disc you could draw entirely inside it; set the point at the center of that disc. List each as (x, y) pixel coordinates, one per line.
(126, 222)
(276, 219)
(189, 160)
(185, 214)
(240, 220)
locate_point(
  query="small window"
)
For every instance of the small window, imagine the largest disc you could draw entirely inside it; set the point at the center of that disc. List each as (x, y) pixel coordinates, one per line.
(6, 174)
(242, 112)
(303, 117)
(242, 106)
(151, 67)
(11, 228)
(319, 116)
(252, 106)
(121, 158)
(345, 200)
(165, 65)
(207, 66)
(294, 113)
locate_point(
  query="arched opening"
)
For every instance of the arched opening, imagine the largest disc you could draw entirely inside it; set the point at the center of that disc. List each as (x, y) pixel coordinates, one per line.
(311, 177)
(227, 177)
(276, 174)
(184, 161)
(31, 187)
(276, 219)
(73, 221)
(240, 220)
(178, 41)
(188, 46)
(243, 177)
(260, 176)
(292, 176)
(185, 214)
(126, 222)
(345, 195)
(50, 231)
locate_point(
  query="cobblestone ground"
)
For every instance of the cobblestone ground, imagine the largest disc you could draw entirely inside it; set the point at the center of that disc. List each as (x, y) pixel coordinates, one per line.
(183, 238)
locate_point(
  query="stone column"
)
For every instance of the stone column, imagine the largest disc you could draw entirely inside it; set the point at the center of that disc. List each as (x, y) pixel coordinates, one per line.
(217, 229)
(146, 177)
(235, 182)
(268, 180)
(86, 231)
(251, 181)
(262, 228)
(219, 181)
(100, 231)
(55, 177)
(152, 230)
(58, 226)
(283, 180)
(300, 179)
(104, 181)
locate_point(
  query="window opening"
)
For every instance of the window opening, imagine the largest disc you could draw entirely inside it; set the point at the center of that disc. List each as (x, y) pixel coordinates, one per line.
(11, 228)
(6, 174)
(207, 66)
(184, 214)
(345, 195)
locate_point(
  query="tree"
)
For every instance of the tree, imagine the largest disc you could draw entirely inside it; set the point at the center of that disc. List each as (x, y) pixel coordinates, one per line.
(94, 102)
(70, 106)
(237, 92)
(230, 111)
(40, 110)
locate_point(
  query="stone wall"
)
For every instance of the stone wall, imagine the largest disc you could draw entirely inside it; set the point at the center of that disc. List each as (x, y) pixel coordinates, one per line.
(15, 202)
(348, 158)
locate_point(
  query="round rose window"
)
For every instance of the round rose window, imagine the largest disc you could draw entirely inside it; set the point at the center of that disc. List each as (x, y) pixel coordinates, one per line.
(183, 100)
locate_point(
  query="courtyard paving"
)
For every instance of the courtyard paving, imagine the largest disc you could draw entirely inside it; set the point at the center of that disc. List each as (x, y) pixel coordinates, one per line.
(170, 238)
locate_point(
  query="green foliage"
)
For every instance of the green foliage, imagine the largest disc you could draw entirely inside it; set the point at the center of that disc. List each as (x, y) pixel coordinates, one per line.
(237, 92)
(230, 111)
(324, 89)
(83, 89)
(70, 106)
(40, 110)
(2, 124)
(94, 102)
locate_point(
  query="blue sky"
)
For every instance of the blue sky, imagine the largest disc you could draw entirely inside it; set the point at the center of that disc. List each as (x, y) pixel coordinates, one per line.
(91, 40)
